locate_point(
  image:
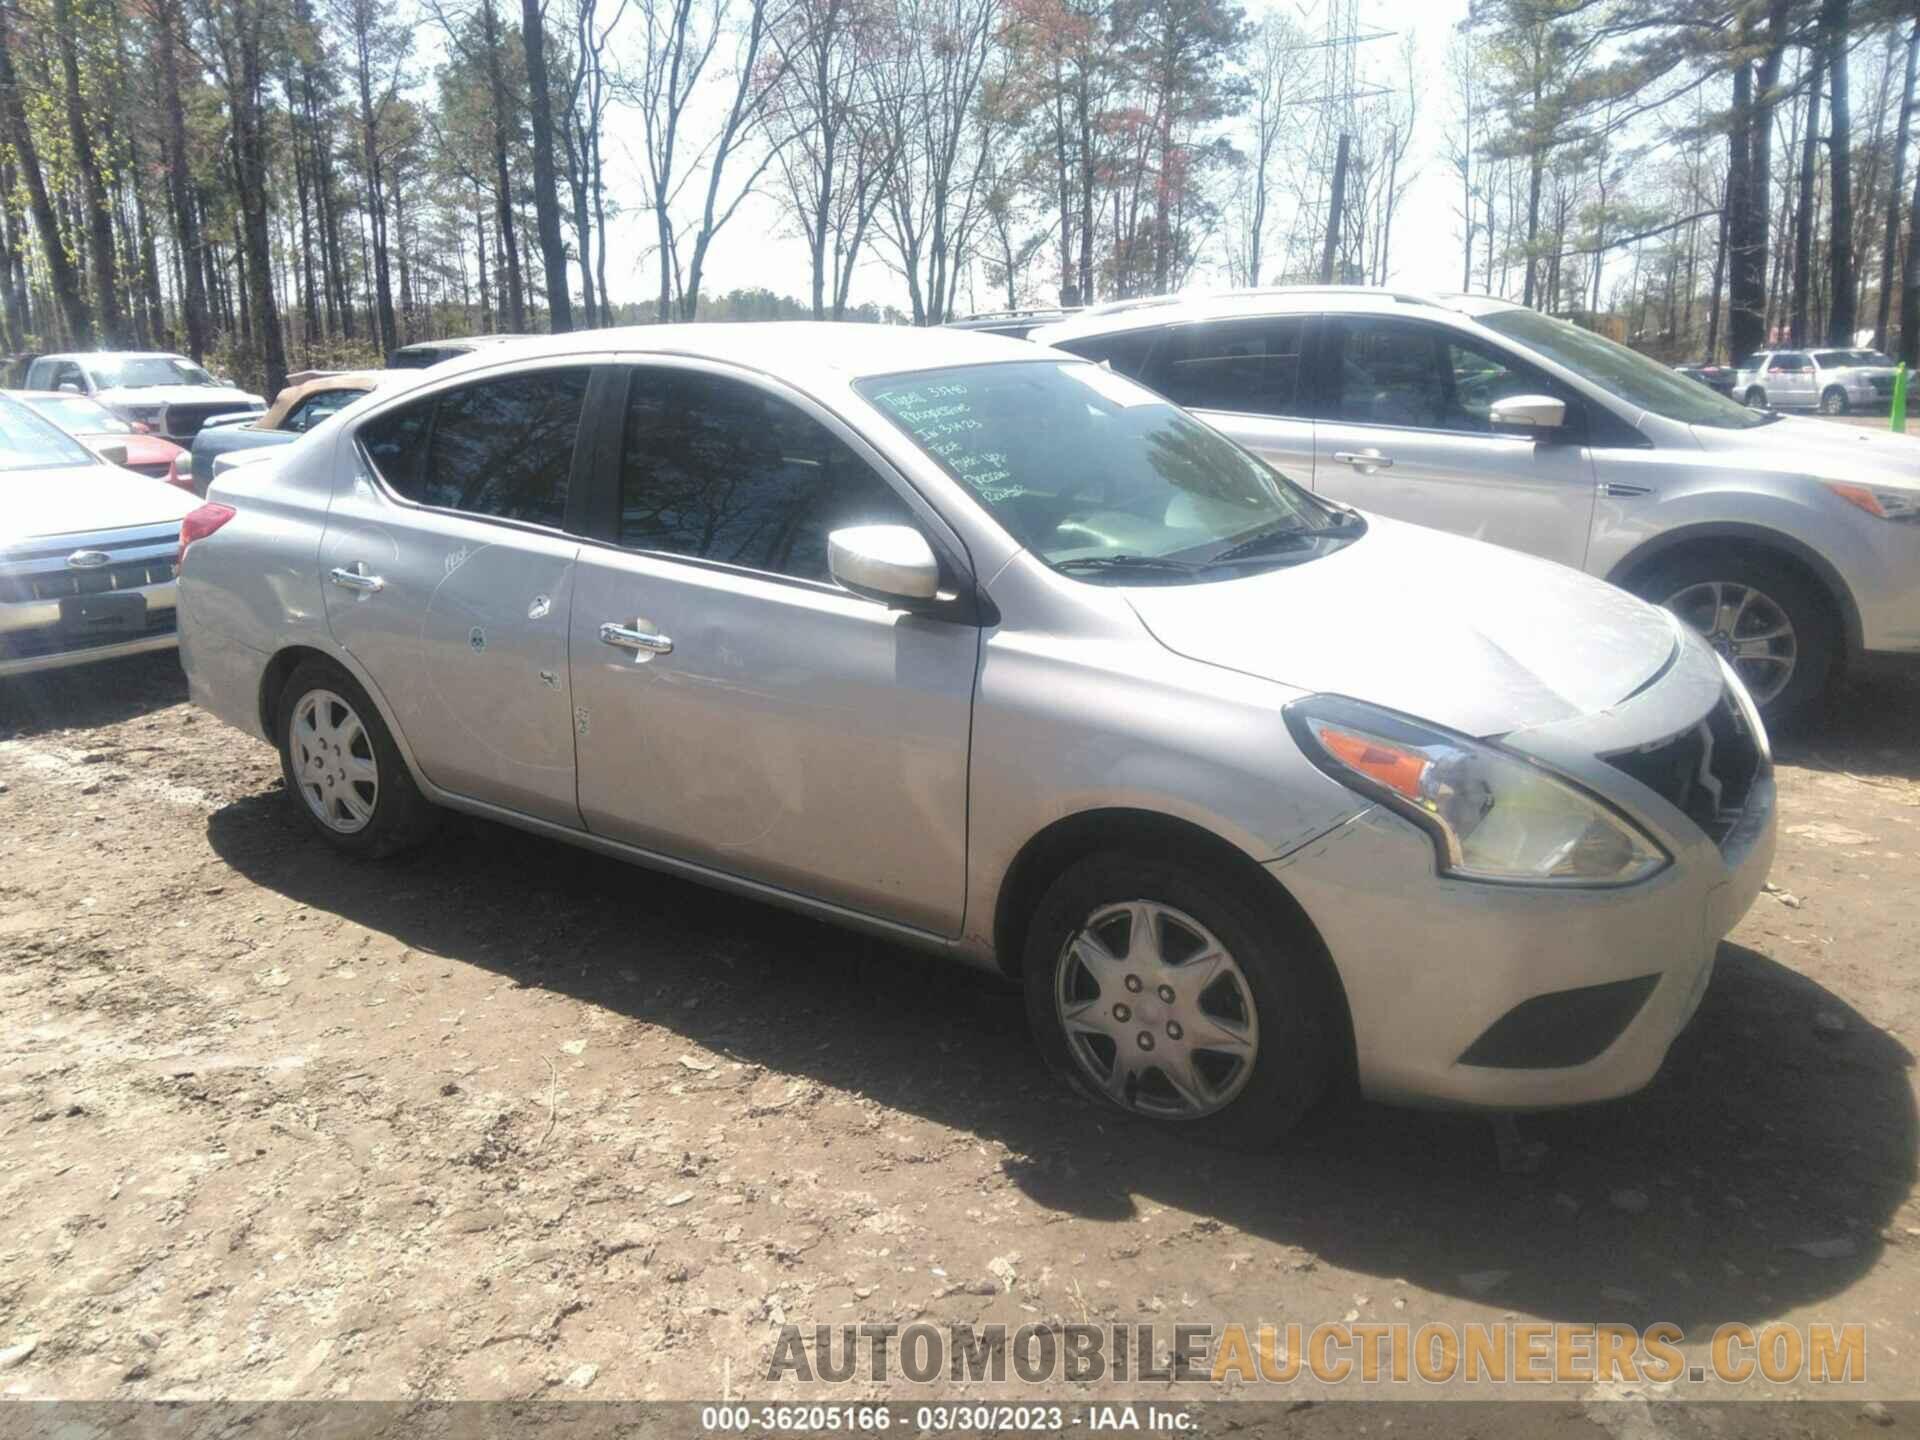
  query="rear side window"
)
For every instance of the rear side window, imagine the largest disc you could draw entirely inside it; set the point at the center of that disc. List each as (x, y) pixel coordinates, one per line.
(1126, 352)
(1791, 360)
(502, 449)
(716, 469)
(1251, 367)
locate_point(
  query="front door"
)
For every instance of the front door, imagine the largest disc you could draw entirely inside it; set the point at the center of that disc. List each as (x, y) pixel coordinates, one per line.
(449, 573)
(1405, 432)
(737, 709)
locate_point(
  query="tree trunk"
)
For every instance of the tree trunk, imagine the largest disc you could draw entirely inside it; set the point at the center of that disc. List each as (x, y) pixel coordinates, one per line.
(1896, 189)
(1833, 31)
(60, 271)
(546, 195)
(93, 188)
(1803, 207)
(502, 181)
(186, 219)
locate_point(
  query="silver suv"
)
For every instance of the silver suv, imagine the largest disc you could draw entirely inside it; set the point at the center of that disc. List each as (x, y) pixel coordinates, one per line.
(987, 649)
(1834, 382)
(1787, 542)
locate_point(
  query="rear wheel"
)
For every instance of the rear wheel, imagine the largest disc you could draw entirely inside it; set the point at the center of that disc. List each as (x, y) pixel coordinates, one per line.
(1775, 627)
(1756, 397)
(1834, 401)
(343, 771)
(1158, 990)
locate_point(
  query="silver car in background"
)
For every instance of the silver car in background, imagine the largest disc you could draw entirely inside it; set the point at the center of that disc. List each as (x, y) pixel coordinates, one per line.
(992, 651)
(1789, 543)
(1834, 382)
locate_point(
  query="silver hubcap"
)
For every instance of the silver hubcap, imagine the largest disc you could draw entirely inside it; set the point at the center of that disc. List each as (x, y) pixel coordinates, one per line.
(1746, 626)
(333, 762)
(1156, 1012)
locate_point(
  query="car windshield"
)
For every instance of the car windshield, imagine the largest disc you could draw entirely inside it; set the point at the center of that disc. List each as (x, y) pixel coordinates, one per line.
(78, 415)
(1835, 359)
(1624, 373)
(138, 371)
(29, 442)
(1101, 477)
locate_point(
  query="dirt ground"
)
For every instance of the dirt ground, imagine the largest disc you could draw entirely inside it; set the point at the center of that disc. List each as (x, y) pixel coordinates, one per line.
(506, 1120)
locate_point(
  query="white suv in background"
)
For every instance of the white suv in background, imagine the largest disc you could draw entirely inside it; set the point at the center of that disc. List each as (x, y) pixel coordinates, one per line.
(1789, 543)
(1833, 382)
(167, 394)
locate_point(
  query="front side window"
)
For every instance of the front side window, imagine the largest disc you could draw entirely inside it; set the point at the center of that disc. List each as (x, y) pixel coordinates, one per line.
(502, 448)
(1390, 372)
(1841, 359)
(1250, 367)
(32, 442)
(713, 468)
(1099, 476)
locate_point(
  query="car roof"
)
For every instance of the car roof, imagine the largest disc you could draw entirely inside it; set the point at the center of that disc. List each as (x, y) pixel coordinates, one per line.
(1134, 314)
(793, 350)
(116, 355)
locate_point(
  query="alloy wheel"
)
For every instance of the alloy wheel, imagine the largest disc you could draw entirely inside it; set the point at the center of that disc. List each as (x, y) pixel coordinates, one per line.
(1748, 627)
(1157, 1014)
(333, 762)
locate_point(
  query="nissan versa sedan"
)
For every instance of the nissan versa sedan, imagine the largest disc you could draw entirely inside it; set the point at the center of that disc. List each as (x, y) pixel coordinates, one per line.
(1790, 543)
(996, 652)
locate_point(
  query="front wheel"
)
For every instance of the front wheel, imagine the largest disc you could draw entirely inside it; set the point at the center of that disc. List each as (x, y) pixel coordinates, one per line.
(1158, 990)
(1834, 401)
(1772, 625)
(342, 769)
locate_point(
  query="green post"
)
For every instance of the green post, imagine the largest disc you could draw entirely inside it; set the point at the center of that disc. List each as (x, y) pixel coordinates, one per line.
(1897, 420)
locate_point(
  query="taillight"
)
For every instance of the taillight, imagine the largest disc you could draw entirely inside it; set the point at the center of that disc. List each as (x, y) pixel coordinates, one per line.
(201, 523)
(176, 476)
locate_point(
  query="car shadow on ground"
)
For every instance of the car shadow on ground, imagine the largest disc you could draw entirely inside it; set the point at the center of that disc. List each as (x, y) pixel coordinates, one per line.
(1765, 1131)
(1865, 728)
(84, 697)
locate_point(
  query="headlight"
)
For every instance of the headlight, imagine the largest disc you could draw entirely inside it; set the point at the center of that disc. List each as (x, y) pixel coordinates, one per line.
(1492, 815)
(1882, 504)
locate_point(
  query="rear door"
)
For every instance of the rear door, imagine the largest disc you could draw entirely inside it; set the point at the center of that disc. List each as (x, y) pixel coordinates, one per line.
(1405, 431)
(1243, 377)
(1790, 380)
(736, 708)
(449, 567)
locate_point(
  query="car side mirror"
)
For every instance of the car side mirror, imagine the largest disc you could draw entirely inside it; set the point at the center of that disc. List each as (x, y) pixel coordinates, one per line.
(891, 563)
(67, 387)
(1529, 412)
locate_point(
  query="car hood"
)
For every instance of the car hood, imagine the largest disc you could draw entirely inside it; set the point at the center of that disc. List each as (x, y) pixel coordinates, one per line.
(1467, 635)
(66, 500)
(1823, 448)
(178, 395)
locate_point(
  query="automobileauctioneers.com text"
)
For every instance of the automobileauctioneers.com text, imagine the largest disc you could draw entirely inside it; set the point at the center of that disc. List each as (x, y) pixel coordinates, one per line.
(1397, 1353)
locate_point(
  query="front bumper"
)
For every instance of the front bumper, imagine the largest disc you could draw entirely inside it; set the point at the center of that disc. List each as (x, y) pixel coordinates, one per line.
(1431, 966)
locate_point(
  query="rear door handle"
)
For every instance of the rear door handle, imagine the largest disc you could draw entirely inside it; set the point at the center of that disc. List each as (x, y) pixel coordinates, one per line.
(357, 578)
(626, 637)
(1364, 460)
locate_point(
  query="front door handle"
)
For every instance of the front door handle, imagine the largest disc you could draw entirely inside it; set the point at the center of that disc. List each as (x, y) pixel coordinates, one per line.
(626, 637)
(357, 578)
(1365, 461)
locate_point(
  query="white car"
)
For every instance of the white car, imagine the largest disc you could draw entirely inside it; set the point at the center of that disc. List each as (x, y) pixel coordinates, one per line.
(168, 394)
(87, 551)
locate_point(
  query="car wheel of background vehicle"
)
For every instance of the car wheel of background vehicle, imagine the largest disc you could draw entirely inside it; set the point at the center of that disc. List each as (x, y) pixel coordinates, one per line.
(343, 771)
(1175, 996)
(1773, 625)
(1757, 398)
(1833, 401)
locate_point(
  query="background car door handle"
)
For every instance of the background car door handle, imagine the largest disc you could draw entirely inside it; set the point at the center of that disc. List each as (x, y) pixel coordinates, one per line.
(1364, 459)
(625, 637)
(357, 578)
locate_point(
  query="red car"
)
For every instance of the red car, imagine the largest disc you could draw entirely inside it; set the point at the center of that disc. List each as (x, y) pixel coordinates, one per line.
(94, 425)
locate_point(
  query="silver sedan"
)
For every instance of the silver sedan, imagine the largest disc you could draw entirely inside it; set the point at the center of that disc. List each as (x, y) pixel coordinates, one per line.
(995, 652)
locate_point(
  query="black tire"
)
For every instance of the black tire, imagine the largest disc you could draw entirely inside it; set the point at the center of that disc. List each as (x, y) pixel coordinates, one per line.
(1756, 398)
(1806, 605)
(1297, 1017)
(400, 816)
(1833, 401)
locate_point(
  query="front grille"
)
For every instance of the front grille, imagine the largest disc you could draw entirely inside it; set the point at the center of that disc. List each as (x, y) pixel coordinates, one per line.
(1706, 772)
(58, 584)
(185, 420)
(48, 640)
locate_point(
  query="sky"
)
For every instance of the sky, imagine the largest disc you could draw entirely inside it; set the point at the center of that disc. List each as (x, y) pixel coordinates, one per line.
(758, 247)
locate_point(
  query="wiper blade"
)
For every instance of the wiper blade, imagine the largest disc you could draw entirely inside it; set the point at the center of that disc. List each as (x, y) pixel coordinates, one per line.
(1352, 525)
(1125, 562)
